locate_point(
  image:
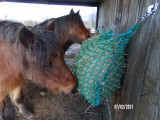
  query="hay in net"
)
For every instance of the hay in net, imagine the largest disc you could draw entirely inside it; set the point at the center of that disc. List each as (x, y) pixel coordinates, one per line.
(100, 63)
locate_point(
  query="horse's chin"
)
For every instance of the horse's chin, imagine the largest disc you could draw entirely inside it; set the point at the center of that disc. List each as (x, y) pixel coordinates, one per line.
(61, 92)
(57, 89)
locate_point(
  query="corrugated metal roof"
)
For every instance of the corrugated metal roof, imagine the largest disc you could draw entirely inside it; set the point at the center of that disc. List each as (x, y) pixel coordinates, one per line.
(68, 2)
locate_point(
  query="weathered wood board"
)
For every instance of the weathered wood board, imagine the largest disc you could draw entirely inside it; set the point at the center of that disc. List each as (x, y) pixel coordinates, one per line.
(142, 81)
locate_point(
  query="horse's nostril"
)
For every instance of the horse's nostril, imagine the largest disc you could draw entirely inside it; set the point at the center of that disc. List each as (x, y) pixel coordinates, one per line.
(74, 91)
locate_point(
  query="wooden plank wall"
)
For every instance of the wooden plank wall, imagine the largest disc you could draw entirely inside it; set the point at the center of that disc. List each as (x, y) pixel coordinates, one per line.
(142, 81)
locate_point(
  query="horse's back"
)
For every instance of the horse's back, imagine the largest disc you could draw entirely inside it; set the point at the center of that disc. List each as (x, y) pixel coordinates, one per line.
(9, 30)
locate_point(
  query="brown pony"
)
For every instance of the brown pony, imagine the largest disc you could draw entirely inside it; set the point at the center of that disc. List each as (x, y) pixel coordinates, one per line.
(30, 55)
(70, 28)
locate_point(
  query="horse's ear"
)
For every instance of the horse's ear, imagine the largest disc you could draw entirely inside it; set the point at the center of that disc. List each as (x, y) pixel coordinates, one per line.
(78, 12)
(50, 25)
(71, 12)
(26, 37)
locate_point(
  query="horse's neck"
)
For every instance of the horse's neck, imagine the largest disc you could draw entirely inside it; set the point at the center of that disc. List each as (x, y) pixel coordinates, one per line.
(64, 35)
(65, 42)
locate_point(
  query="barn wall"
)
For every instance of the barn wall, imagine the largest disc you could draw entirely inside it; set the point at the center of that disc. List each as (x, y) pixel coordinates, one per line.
(141, 82)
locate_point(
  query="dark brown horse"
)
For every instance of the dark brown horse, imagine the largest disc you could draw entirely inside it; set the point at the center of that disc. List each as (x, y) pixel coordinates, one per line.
(30, 55)
(70, 28)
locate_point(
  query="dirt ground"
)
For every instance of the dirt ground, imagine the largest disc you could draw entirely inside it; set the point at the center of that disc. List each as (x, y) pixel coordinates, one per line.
(56, 107)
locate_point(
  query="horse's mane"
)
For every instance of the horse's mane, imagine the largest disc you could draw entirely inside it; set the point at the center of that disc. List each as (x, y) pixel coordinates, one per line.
(62, 23)
(42, 24)
(46, 46)
(9, 30)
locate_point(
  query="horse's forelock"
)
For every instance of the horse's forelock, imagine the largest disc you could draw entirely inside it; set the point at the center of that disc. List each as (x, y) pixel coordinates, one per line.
(45, 47)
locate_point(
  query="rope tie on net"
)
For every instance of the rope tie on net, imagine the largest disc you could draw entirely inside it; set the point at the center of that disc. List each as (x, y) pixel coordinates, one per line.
(99, 64)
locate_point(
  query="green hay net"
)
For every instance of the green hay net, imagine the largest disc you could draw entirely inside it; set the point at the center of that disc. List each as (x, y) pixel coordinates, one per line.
(99, 65)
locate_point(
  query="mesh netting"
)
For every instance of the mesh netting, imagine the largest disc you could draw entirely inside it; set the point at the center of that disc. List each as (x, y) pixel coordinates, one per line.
(99, 65)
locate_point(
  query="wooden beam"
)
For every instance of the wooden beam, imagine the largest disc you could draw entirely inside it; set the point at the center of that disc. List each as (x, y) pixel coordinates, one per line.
(60, 2)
